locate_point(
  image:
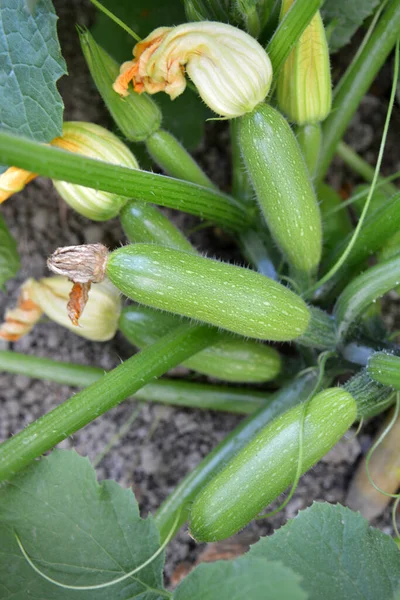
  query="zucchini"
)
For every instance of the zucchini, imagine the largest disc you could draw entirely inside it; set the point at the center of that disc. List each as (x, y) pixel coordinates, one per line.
(230, 297)
(143, 222)
(264, 468)
(282, 184)
(230, 358)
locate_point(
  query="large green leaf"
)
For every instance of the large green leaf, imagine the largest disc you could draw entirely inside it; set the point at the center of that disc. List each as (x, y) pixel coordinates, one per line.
(347, 17)
(185, 116)
(31, 64)
(77, 532)
(337, 554)
(9, 258)
(246, 577)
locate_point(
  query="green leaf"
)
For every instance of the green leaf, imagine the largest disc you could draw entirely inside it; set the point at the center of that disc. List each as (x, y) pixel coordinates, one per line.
(76, 531)
(31, 60)
(246, 577)
(347, 18)
(9, 258)
(336, 553)
(183, 117)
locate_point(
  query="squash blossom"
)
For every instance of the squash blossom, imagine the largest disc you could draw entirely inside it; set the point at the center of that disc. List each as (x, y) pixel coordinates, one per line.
(51, 296)
(304, 89)
(13, 180)
(230, 69)
(89, 140)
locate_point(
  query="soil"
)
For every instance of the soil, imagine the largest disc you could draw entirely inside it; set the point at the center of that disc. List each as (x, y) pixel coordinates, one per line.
(164, 443)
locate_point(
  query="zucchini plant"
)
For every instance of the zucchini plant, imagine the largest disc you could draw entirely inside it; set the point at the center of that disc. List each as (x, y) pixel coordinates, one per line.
(296, 321)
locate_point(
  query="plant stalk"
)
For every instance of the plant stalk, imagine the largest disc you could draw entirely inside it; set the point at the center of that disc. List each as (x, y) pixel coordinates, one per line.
(173, 392)
(356, 82)
(101, 396)
(59, 164)
(361, 167)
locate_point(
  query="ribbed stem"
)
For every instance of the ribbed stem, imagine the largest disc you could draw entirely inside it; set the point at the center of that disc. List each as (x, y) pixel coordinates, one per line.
(174, 392)
(371, 397)
(321, 331)
(101, 396)
(141, 185)
(309, 138)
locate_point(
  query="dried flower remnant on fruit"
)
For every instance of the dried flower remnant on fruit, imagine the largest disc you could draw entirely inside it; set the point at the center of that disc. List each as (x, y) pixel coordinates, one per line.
(83, 265)
(20, 320)
(231, 70)
(14, 180)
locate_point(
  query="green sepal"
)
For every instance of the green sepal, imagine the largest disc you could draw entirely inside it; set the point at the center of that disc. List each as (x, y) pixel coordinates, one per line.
(137, 116)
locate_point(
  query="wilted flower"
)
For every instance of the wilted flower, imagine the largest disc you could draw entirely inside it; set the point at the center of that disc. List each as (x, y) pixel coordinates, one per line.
(20, 320)
(230, 69)
(304, 89)
(51, 296)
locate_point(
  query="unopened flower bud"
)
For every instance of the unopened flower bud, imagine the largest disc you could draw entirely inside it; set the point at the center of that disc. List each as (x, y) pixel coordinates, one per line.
(95, 142)
(304, 89)
(13, 180)
(136, 116)
(230, 69)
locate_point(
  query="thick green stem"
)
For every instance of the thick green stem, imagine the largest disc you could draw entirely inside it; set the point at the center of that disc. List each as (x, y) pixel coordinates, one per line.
(140, 185)
(172, 157)
(356, 82)
(361, 167)
(309, 138)
(289, 31)
(371, 397)
(163, 391)
(101, 396)
(183, 495)
(241, 184)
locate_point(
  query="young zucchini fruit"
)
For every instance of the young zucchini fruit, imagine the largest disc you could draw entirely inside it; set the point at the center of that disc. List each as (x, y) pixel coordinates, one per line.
(291, 394)
(264, 468)
(385, 368)
(282, 184)
(230, 358)
(230, 297)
